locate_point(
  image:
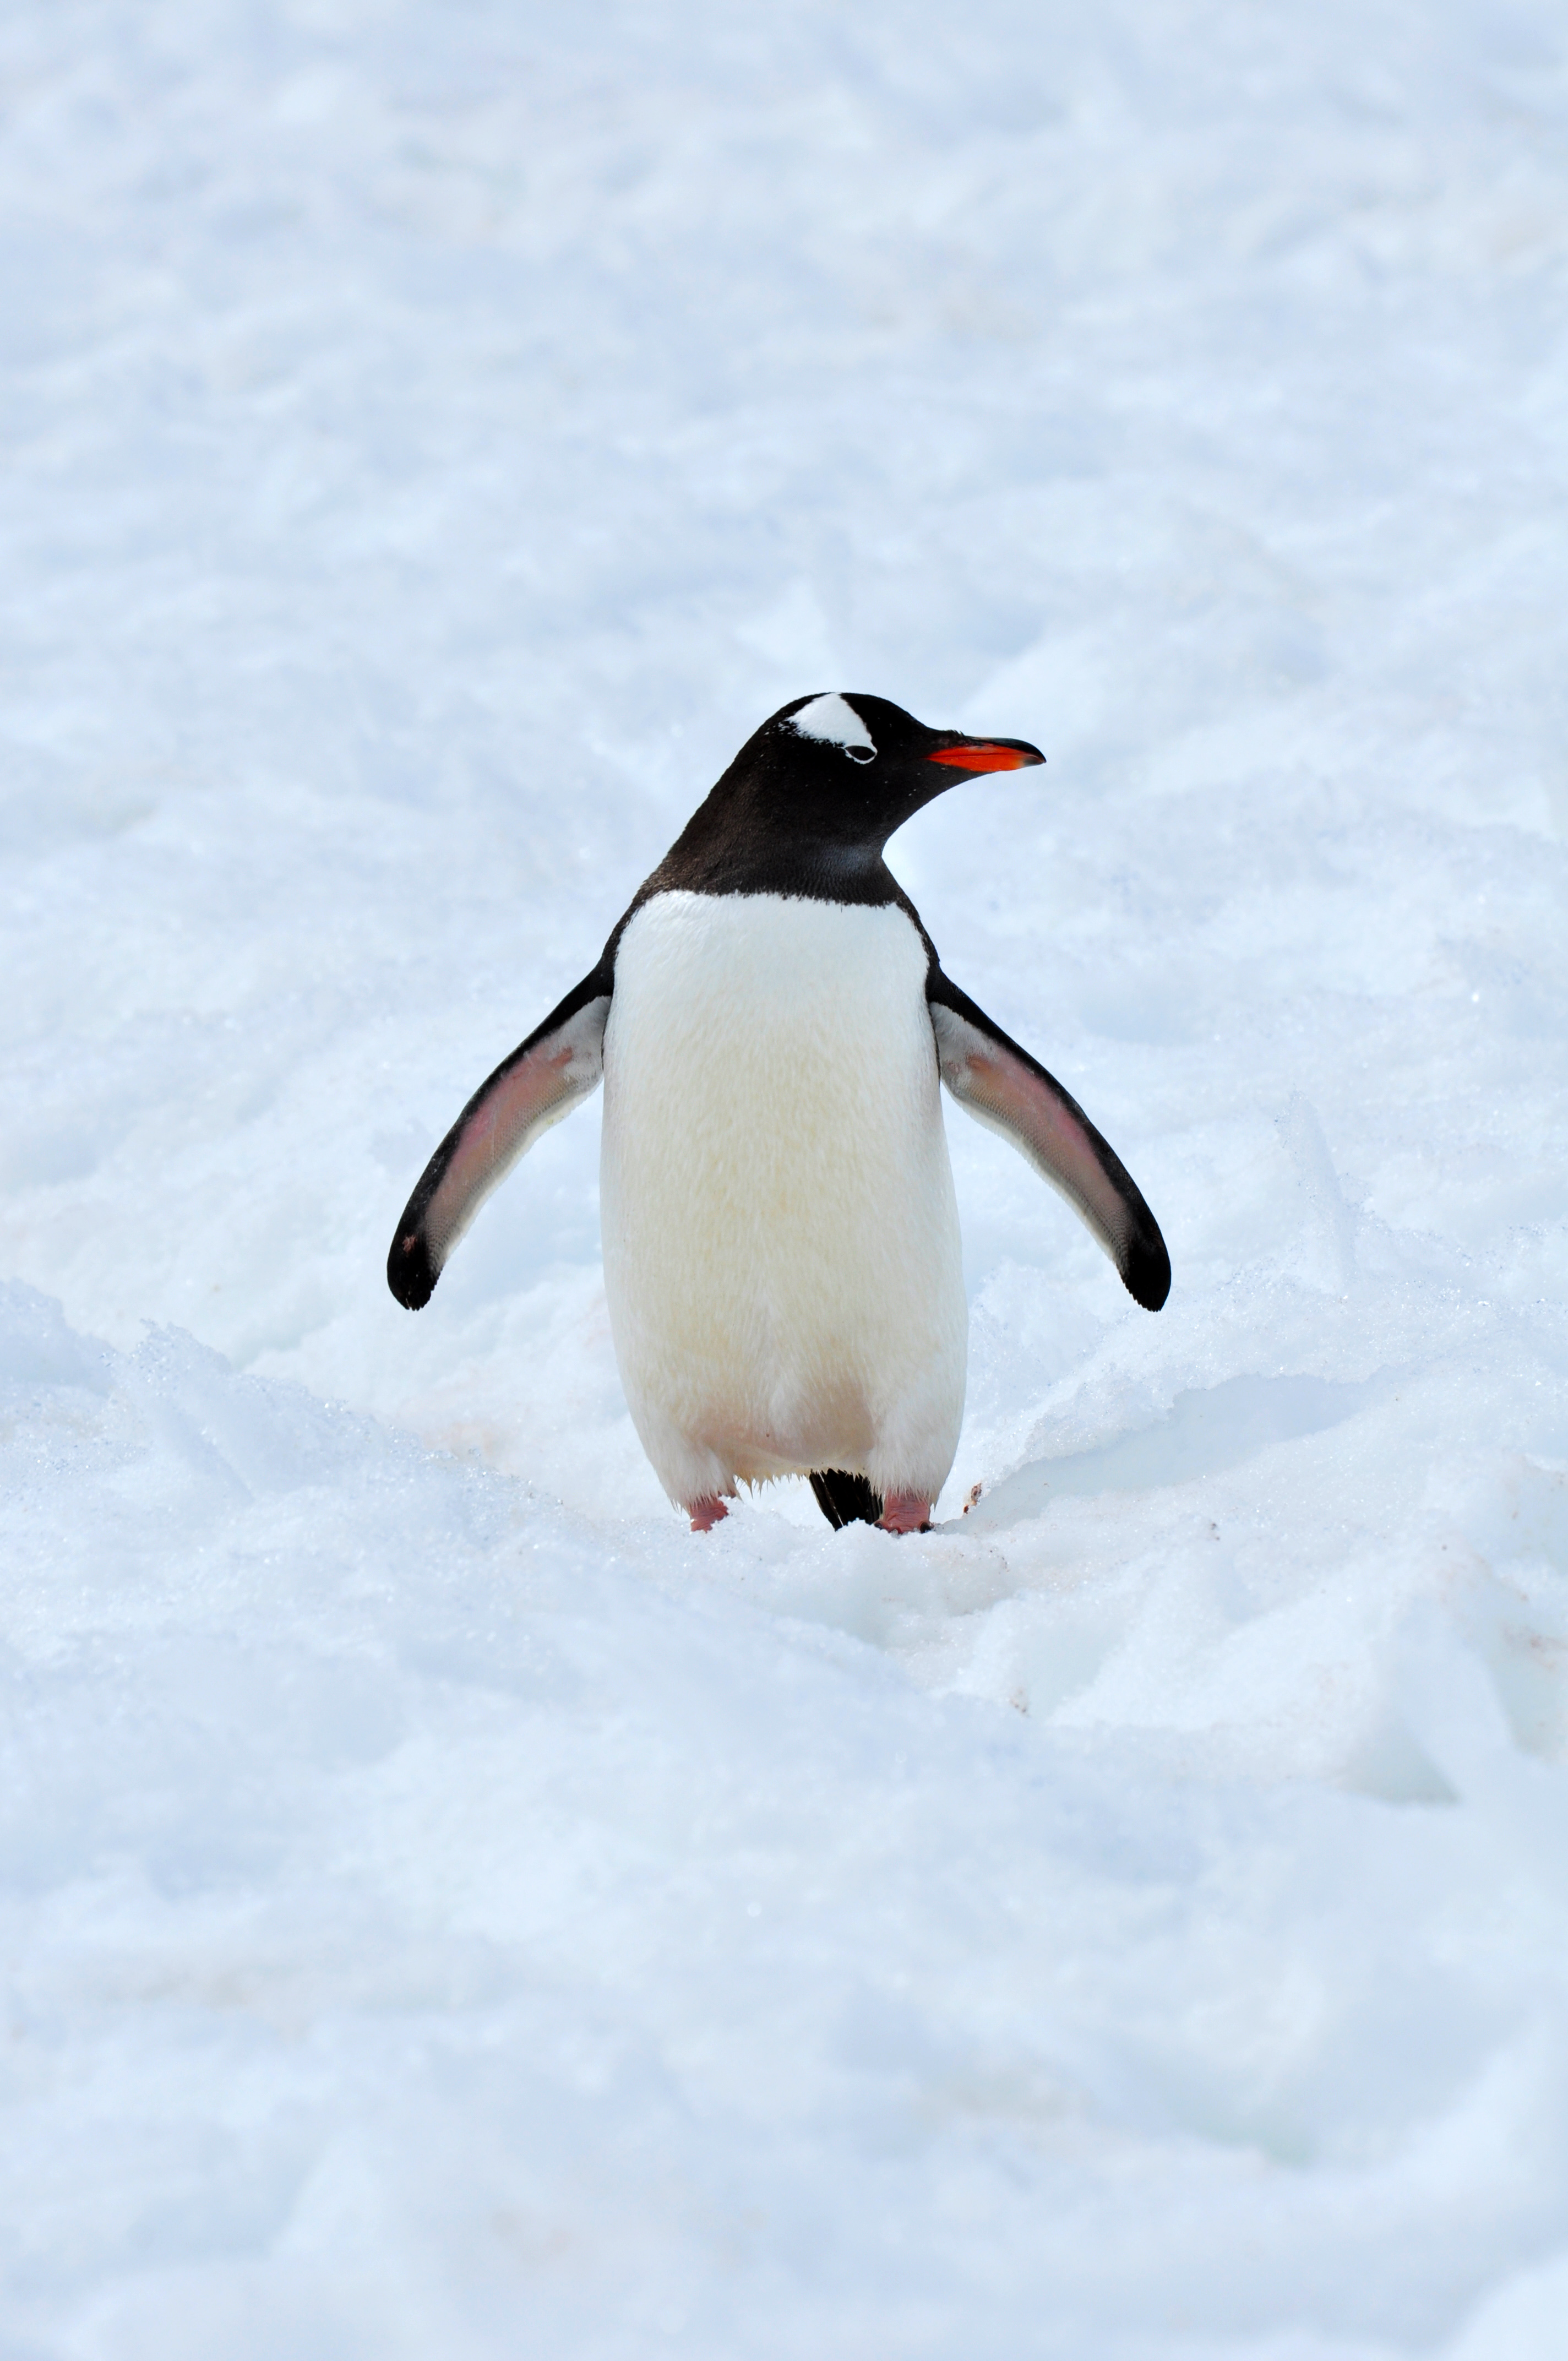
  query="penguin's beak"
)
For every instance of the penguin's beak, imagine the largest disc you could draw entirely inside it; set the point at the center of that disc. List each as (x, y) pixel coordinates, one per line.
(987, 754)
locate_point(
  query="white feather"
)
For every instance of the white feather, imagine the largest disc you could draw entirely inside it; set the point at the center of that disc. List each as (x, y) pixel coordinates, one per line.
(834, 720)
(781, 1235)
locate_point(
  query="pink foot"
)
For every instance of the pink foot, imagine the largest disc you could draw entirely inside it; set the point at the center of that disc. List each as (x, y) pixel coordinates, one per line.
(706, 1514)
(905, 1512)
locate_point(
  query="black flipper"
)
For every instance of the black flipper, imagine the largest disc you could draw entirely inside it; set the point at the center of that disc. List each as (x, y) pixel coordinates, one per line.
(845, 1499)
(561, 1061)
(1004, 1087)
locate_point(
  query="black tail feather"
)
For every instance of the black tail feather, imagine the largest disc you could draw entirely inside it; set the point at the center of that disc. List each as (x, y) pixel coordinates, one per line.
(846, 1499)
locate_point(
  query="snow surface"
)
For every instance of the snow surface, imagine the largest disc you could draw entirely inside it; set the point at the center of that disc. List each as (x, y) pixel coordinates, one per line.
(448, 1910)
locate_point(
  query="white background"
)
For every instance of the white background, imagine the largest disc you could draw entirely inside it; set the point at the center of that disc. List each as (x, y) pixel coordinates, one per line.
(447, 1910)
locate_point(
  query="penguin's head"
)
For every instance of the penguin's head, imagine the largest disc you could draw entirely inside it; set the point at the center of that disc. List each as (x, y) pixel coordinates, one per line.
(814, 795)
(850, 768)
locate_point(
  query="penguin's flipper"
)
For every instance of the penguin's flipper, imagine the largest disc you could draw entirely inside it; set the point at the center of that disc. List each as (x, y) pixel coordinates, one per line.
(561, 1061)
(1003, 1086)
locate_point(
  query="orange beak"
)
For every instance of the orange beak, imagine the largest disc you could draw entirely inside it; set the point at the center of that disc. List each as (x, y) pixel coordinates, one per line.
(982, 755)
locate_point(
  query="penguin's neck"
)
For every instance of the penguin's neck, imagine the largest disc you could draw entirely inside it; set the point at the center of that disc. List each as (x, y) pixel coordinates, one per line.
(729, 858)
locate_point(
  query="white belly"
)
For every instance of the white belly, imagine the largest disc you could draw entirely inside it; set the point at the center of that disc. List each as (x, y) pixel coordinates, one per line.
(781, 1238)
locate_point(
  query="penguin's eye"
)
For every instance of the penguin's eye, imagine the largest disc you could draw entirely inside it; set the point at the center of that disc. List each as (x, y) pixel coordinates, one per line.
(861, 754)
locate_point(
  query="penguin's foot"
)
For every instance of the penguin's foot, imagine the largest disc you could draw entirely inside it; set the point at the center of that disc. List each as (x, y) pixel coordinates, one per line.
(706, 1514)
(905, 1512)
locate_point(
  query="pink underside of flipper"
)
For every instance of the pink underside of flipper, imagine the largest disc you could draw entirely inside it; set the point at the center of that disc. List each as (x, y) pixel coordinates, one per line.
(1010, 1090)
(490, 1135)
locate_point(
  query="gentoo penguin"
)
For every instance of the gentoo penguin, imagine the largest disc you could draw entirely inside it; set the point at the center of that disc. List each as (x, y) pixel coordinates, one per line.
(770, 1020)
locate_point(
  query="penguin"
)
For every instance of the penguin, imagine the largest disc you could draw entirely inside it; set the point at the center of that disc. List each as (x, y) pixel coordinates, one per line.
(771, 1023)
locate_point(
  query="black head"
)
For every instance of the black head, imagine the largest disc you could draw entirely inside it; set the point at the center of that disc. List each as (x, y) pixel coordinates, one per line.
(810, 800)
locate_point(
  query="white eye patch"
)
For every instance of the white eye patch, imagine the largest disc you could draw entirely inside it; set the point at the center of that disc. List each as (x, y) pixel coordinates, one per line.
(835, 721)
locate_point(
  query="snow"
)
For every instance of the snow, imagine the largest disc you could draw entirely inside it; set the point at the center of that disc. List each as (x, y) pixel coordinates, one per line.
(449, 1909)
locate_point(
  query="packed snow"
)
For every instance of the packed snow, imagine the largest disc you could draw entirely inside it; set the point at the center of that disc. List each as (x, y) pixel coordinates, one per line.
(449, 1909)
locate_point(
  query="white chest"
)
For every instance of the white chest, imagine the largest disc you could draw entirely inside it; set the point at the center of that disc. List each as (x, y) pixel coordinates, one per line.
(781, 1238)
(782, 1018)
